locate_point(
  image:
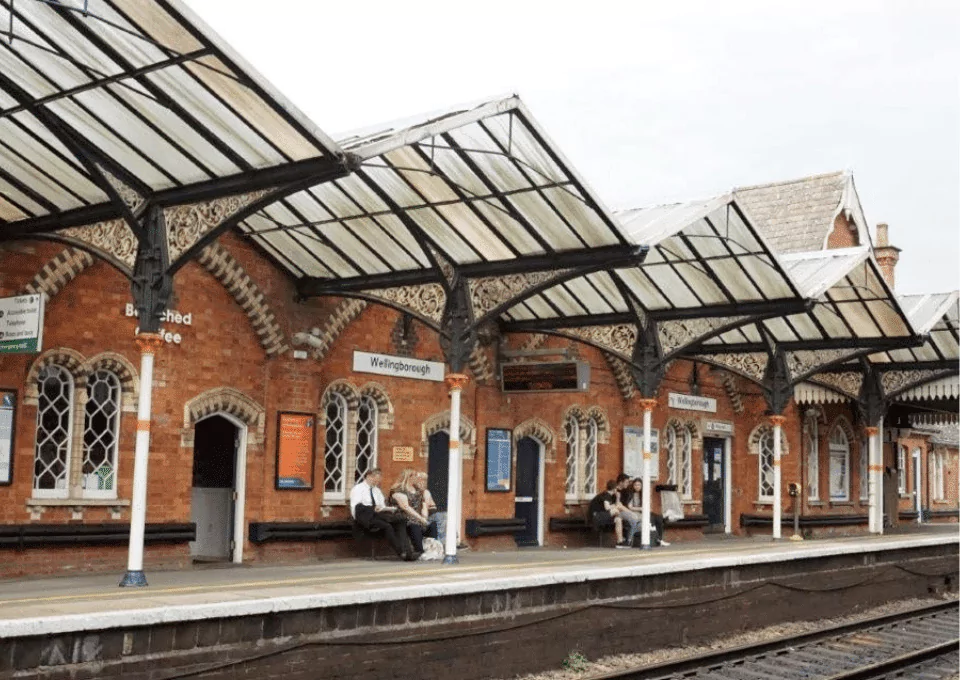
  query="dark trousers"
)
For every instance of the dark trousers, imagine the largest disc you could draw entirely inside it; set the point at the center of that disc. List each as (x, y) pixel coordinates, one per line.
(656, 520)
(417, 531)
(392, 524)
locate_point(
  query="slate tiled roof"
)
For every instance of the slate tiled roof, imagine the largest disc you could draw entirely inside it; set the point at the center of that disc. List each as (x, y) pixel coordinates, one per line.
(797, 215)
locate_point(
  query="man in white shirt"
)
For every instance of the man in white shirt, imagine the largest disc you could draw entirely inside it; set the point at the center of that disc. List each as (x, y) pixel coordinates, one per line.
(370, 511)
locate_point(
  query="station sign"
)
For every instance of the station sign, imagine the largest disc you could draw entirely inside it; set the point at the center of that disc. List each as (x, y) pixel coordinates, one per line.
(559, 376)
(398, 367)
(692, 402)
(718, 427)
(21, 324)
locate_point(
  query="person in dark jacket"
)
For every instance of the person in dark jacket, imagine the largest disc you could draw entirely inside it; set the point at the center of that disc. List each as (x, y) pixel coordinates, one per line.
(604, 508)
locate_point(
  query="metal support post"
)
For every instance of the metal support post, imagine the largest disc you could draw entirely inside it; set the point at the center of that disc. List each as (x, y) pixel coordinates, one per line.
(148, 344)
(647, 405)
(455, 383)
(874, 470)
(916, 485)
(777, 422)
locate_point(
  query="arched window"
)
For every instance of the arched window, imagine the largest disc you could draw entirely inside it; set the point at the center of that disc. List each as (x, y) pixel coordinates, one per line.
(765, 463)
(571, 429)
(590, 459)
(865, 470)
(839, 464)
(679, 459)
(902, 470)
(101, 432)
(51, 468)
(367, 418)
(811, 432)
(936, 475)
(334, 457)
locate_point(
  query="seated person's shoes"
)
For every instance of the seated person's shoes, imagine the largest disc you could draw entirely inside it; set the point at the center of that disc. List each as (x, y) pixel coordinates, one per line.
(622, 545)
(664, 544)
(412, 556)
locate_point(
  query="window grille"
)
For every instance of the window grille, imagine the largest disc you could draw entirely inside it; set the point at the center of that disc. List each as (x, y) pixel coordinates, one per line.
(765, 462)
(572, 432)
(936, 470)
(812, 437)
(335, 448)
(590, 460)
(839, 465)
(367, 416)
(865, 470)
(100, 436)
(902, 470)
(680, 460)
(54, 432)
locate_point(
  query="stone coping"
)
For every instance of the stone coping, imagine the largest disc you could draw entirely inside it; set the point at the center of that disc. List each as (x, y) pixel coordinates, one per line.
(166, 605)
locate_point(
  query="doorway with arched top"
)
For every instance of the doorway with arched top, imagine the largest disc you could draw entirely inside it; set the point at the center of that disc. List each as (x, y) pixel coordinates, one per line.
(528, 501)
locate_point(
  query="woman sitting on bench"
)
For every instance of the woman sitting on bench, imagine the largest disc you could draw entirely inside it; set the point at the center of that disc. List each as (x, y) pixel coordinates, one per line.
(408, 498)
(632, 497)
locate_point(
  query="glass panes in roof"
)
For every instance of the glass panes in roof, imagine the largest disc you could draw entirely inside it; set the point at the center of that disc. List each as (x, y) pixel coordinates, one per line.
(146, 84)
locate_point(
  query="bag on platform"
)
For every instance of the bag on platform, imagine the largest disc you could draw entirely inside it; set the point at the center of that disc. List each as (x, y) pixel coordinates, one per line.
(432, 550)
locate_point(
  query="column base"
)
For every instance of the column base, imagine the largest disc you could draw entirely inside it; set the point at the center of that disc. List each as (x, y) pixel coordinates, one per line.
(134, 579)
(796, 537)
(451, 559)
(646, 547)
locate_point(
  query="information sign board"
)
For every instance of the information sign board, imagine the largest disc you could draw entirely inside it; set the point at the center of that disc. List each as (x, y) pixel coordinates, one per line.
(499, 460)
(295, 450)
(21, 324)
(633, 452)
(560, 376)
(8, 408)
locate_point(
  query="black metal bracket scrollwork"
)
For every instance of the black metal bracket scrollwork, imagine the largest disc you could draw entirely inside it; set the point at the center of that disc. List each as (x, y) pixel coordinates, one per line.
(777, 383)
(458, 336)
(152, 283)
(872, 403)
(648, 366)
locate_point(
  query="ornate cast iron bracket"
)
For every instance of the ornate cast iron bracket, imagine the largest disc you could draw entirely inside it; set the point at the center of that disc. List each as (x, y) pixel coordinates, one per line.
(152, 283)
(458, 335)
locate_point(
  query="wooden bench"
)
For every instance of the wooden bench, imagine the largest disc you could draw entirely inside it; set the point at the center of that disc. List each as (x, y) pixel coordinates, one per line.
(20, 536)
(493, 526)
(267, 532)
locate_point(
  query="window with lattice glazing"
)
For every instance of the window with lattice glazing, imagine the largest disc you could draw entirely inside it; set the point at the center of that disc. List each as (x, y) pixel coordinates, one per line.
(51, 468)
(811, 432)
(571, 430)
(334, 456)
(839, 465)
(366, 437)
(765, 463)
(865, 470)
(680, 460)
(902, 470)
(590, 459)
(936, 472)
(101, 432)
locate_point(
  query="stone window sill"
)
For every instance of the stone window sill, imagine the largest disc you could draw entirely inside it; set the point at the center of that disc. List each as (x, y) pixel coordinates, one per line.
(841, 504)
(690, 502)
(763, 504)
(816, 504)
(78, 502)
(943, 502)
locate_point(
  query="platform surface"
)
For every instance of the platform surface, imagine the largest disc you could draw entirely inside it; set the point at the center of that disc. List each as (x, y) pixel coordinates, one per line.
(73, 603)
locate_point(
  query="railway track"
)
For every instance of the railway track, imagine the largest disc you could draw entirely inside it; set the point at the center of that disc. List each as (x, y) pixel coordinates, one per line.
(920, 644)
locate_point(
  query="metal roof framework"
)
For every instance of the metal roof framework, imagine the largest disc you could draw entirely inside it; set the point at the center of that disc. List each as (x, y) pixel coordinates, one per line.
(919, 380)
(128, 128)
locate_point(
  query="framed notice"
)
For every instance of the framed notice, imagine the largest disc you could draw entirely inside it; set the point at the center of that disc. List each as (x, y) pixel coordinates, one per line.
(633, 452)
(8, 412)
(499, 460)
(296, 446)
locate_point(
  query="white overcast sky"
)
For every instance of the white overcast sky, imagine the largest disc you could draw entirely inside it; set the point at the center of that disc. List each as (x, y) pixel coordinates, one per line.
(661, 102)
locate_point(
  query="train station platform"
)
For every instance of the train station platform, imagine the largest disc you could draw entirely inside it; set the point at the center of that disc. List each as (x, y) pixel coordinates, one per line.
(183, 617)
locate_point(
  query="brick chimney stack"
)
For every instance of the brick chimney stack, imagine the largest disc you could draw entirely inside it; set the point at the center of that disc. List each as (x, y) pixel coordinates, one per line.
(886, 254)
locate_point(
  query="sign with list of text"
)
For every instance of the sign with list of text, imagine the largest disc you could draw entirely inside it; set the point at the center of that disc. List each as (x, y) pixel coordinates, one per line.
(295, 450)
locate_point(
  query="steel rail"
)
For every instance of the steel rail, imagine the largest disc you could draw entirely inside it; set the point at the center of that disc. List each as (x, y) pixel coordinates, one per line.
(883, 669)
(711, 659)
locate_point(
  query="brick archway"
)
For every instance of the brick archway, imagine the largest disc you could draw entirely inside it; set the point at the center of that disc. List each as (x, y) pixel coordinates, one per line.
(226, 400)
(542, 432)
(441, 421)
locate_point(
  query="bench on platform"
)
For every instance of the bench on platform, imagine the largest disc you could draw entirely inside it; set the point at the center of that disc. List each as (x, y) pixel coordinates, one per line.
(493, 526)
(911, 515)
(266, 532)
(19, 536)
(835, 520)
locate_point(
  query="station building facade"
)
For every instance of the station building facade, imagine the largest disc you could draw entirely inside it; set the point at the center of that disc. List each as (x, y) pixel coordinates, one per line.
(239, 351)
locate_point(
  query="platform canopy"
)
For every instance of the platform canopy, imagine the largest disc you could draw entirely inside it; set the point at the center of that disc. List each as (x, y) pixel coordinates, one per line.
(854, 307)
(469, 187)
(705, 260)
(112, 102)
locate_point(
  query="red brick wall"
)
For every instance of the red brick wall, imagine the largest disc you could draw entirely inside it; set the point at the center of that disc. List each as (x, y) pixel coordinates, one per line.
(220, 349)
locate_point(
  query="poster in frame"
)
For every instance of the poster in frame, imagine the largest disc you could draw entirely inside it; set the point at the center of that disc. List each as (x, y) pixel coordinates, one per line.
(296, 450)
(499, 458)
(8, 427)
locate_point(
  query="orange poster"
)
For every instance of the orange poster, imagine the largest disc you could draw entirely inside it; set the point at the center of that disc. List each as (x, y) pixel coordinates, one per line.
(295, 442)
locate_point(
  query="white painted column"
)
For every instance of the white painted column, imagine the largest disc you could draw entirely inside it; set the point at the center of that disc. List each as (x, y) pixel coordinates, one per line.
(777, 422)
(728, 485)
(875, 473)
(148, 344)
(455, 383)
(916, 485)
(647, 405)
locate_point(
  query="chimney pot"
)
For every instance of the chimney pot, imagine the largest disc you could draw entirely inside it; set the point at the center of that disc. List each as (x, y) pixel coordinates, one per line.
(883, 238)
